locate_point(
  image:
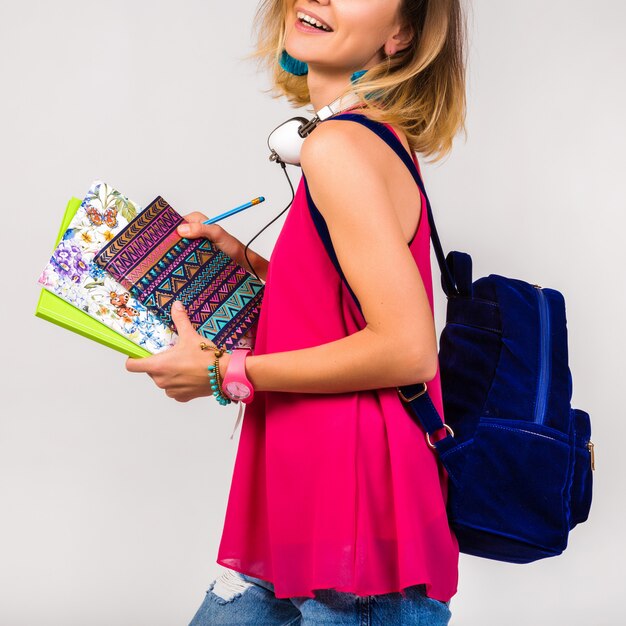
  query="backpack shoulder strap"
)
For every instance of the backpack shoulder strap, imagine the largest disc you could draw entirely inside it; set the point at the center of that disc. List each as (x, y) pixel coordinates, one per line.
(416, 395)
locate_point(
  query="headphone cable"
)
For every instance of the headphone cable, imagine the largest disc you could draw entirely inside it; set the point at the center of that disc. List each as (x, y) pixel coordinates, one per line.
(245, 251)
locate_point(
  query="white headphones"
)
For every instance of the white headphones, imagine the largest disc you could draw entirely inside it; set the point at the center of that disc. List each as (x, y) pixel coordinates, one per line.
(285, 141)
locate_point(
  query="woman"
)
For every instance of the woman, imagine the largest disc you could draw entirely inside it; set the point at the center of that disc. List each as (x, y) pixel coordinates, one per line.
(337, 509)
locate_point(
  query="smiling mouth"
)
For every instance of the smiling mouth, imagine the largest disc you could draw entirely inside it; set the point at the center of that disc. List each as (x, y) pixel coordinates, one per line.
(307, 20)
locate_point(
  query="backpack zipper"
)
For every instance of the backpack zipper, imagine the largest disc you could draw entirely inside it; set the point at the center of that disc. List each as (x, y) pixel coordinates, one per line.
(544, 363)
(544, 366)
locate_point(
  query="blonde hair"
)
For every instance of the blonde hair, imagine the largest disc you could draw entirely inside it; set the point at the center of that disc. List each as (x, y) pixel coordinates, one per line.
(421, 89)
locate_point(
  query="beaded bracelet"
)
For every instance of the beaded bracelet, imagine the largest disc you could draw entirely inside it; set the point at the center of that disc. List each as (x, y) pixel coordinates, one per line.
(214, 375)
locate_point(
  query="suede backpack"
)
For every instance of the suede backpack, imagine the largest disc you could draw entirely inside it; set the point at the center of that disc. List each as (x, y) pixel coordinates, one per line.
(519, 458)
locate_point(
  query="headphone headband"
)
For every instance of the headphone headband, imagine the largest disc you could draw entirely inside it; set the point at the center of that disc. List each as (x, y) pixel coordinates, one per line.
(336, 106)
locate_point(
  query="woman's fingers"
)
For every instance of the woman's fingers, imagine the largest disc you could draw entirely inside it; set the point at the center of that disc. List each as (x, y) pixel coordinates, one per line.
(193, 228)
(184, 327)
(196, 216)
(198, 229)
(142, 364)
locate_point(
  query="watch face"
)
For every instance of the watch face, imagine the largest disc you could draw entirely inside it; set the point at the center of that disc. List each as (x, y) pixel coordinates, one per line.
(237, 390)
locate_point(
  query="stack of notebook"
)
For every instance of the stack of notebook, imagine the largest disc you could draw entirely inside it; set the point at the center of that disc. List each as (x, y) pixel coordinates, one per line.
(117, 269)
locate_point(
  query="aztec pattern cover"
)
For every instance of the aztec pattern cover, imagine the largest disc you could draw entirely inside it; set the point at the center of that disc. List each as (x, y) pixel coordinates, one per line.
(72, 275)
(158, 266)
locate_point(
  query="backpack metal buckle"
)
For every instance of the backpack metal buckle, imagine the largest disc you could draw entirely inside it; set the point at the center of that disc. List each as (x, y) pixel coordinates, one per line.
(417, 395)
(447, 427)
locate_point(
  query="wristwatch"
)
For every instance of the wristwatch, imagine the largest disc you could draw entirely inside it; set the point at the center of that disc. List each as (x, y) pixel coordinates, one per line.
(236, 384)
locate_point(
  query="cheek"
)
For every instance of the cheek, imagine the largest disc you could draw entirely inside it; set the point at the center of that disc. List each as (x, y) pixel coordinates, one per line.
(365, 25)
(359, 44)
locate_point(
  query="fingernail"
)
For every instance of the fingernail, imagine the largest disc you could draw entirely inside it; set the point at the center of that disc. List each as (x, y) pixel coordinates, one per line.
(178, 305)
(184, 229)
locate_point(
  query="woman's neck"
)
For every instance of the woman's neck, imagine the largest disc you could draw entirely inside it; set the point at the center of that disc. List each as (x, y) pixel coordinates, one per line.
(326, 87)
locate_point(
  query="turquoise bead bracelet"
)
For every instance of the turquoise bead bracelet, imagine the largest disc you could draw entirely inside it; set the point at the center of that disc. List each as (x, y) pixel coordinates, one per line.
(214, 375)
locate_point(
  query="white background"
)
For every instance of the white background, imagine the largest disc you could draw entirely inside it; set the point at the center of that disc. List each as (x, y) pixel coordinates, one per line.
(112, 495)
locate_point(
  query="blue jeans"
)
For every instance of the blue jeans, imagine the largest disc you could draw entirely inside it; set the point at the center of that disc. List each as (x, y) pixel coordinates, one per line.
(240, 600)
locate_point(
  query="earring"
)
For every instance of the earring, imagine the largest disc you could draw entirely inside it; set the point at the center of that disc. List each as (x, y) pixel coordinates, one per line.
(292, 65)
(389, 54)
(357, 75)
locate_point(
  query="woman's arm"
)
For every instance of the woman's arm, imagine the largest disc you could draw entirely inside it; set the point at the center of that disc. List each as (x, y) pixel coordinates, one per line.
(363, 360)
(346, 174)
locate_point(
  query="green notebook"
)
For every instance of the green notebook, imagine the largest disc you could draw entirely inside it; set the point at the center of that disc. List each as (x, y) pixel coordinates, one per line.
(56, 310)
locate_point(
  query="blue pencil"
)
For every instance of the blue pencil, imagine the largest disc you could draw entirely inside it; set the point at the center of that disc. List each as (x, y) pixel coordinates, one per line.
(247, 205)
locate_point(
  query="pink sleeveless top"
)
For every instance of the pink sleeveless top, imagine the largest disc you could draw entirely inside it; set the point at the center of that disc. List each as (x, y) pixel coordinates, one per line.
(334, 490)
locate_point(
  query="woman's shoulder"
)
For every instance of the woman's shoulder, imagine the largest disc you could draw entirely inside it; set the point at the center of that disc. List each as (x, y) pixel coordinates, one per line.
(346, 167)
(339, 143)
(348, 181)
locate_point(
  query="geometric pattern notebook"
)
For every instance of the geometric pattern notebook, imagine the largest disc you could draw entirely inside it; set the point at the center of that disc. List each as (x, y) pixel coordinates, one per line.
(158, 266)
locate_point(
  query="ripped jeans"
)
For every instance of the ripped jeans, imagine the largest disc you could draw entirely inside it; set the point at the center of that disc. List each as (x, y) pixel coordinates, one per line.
(238, 599)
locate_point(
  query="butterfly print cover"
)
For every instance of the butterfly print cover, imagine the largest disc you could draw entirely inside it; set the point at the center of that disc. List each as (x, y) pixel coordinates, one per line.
(158, 266)
(72, 275)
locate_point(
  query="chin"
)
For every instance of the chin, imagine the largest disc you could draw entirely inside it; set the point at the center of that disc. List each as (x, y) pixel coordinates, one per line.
(305, 50)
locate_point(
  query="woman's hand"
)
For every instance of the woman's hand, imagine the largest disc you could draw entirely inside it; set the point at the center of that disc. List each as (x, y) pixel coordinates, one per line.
(182, 370)
(222, 239)
(226, 242)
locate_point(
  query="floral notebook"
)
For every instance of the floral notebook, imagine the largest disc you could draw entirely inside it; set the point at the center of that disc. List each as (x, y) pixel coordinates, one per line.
(157, 266)
(72, 275)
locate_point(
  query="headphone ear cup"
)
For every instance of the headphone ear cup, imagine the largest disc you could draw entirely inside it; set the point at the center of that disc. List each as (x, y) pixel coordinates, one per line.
(285, 140)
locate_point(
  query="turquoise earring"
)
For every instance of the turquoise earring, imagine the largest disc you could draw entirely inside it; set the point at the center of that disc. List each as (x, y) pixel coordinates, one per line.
(292, 65)
(357, 75)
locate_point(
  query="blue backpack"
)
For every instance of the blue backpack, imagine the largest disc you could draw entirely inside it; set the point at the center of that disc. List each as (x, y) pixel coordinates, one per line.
(518, 457)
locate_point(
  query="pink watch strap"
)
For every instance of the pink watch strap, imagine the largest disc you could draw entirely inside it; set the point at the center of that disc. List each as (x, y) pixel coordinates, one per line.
(236, 373)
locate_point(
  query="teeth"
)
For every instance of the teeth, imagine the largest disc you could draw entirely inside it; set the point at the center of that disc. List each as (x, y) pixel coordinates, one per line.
(307, 18)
